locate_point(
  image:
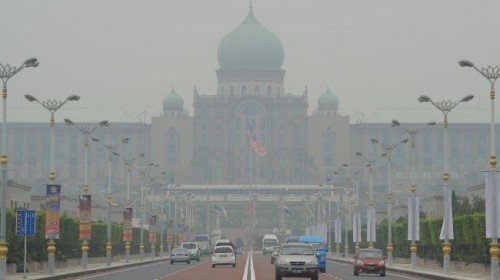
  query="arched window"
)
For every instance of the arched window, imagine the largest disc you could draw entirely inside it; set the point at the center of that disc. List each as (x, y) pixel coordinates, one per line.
(243, 90)
(231, 90)
(269, 90)
(257, 90)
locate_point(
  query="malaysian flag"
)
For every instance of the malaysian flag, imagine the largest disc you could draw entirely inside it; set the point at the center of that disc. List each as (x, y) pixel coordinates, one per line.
(255, 143)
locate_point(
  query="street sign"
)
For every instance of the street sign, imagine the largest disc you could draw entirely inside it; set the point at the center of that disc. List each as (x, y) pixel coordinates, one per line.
(25, 222)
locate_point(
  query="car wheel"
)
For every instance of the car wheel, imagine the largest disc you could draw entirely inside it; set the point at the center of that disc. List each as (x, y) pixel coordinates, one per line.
(315, 276)
(278, 276)
(356, 273)
(213, 265)
(171, 262)
(382, 274)
(188, 262)
(234, 264)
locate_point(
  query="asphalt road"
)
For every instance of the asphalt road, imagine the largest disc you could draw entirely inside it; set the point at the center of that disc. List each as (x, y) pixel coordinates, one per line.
(262, 269)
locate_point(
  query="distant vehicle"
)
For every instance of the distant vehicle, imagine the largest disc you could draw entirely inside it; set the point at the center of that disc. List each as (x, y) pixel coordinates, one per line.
(369, 261)
(180, 255)
(194, 250)
(224, 242)
(319, 245)
(292, 238)
(223, 255)
(268, 243)
(205, 243)
(296, 260)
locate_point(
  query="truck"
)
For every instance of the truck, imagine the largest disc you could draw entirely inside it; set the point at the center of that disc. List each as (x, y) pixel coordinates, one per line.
(320, 248)
(268, 243)
(205, 243)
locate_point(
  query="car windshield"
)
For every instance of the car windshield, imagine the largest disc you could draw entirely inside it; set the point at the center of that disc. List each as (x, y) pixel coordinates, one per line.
(178, 250)
(296, 250)
(270, 242)
(370, 255)
(223, 250)
(318, 246)
(189, 245)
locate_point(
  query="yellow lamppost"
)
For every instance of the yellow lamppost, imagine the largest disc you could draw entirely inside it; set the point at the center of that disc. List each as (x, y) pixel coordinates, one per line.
(110, 146)
(129, 161)
(491, 73)
(371, 213)
(413, 212)
(52, 106)
(86, 129)
(7, 72)
(445, 107)
(389, 147)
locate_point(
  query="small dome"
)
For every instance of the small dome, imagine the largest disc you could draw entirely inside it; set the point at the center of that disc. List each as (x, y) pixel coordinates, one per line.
(328, 101)
(173, 102)
(250, 46)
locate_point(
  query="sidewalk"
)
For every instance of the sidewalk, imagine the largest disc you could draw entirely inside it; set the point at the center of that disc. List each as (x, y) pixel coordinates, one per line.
(429, 272)
(63, 273)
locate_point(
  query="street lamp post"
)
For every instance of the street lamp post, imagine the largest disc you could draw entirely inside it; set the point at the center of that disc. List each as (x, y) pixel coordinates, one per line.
(52, 106)
(142, 170)
(371, 214)
(153, 240)
(86, 129)
(413, 210)
(128, 163)
(445, 107)
(491, 73)
(110, 146)
(389, 147)
(7, 72)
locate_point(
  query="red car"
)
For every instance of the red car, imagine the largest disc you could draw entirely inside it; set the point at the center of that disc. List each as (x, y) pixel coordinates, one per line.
(369, 261)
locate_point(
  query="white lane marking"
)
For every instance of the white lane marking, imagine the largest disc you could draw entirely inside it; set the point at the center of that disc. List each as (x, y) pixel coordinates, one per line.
(245, 273)
(252, 277)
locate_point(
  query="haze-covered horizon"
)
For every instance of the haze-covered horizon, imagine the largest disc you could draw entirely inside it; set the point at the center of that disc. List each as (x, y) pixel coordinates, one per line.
(123, 57)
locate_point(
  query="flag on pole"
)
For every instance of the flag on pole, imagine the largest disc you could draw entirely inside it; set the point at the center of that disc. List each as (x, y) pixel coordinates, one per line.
(338, 230)
(356, 227)
(371, 223)
(413, 218)
(443, 235)
(287, 211)
(255, 143)
(490, 201)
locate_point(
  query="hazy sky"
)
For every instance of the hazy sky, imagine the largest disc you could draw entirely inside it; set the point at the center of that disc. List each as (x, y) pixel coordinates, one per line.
(123, 56)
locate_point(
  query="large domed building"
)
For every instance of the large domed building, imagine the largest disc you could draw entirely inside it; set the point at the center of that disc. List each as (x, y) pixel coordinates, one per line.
(250, 131)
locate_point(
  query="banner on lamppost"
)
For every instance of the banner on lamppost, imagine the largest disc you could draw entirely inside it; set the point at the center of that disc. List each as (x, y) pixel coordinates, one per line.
(85, 207)
(370, 227)
(338, 230)
(449, 217)
(490, 201)
(127, 224)
(152, 229)
(52, 211)
(356, 227)
(413, 218)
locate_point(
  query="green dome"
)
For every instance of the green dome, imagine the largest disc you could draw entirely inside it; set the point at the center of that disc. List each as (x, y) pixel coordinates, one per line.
(250, 46)
(328, 101)
(173, 102)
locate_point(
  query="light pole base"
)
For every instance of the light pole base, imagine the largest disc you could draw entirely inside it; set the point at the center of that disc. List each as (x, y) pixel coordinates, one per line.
(3, 260)
(494, 254)
(141, 250)
(85, 255)
(109, 248)
(153, 251)
(389, 254)
(413, 256)
(127, 252)
(161, 249)
(51, 249)
(446, 258)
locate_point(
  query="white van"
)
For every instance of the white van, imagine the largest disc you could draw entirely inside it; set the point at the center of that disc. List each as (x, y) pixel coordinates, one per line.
(268, 243)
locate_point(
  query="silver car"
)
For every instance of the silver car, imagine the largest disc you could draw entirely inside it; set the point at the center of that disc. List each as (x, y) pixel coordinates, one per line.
(180, 255)
(296, 260)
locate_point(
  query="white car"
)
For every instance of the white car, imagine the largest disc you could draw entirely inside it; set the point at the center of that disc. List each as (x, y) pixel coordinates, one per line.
(223, 255)
(193, 249)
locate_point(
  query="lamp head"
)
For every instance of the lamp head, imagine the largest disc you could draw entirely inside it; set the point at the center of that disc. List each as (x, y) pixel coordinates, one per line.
(374, 141)
(384, 154)
(69, 122)
(73, 97)
(104, 123)
(404, 141)
(359, 154)
(125, 140)
(395, 123)
(431, 123)
(467, 98)
(30, 97)
(31, 62)
(465, 63)
(345, 165)
(424, 98)
(95, 140)
(141, 154)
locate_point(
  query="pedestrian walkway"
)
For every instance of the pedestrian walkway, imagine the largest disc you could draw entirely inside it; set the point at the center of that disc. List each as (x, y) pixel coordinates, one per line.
(430, 272)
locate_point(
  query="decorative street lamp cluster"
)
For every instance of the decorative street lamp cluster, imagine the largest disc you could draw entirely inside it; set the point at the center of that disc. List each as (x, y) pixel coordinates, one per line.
(7, 72)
